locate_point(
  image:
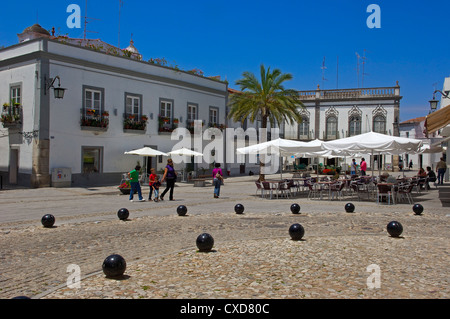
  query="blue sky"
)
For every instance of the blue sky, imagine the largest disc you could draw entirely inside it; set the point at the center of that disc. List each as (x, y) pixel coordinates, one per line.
(229, 37)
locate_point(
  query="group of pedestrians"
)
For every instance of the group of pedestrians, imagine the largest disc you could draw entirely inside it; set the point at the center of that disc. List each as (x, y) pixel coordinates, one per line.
(170, 177)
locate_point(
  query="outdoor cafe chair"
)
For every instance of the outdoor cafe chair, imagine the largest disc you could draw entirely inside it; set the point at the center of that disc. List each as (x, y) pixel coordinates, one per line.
(284, 189)
(337, 189)
(314, 190)
(259, 188)
(270, 187)
(385, 192)
(404, 191)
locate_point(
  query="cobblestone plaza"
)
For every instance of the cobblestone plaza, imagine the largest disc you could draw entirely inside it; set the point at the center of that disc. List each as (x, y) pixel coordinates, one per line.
(253, 256)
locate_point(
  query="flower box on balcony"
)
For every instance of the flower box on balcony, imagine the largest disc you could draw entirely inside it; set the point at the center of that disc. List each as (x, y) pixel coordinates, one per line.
(11, 115)
(91, 120)
(134, 122)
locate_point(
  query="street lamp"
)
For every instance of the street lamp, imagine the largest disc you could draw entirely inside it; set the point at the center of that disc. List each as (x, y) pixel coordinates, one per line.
(434, 102)
(58, 91)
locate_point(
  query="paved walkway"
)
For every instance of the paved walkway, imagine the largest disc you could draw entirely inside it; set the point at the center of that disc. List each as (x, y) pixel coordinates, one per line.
(253, 255)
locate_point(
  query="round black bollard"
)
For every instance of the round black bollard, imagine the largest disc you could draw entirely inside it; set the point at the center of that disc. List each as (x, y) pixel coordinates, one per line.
(296, 231)
(418, 209)
(239, 209)
(205, 242)
(394, 228)
(181, 210)
(114, 266)
(349, 208)
(48, 220)
(123, 214)
(295, 209)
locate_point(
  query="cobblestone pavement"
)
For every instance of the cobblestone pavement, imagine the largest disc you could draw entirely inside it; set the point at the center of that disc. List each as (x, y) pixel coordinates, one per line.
(253, 255)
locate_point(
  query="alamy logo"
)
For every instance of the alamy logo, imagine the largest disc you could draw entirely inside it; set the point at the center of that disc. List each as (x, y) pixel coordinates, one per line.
(74, 19)
(374, 20)
(374, 279)
(217, 151)
(74, 279)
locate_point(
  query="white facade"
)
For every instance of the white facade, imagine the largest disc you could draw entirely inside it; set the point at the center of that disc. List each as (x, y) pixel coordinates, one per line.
(51, 134)
(334, 114)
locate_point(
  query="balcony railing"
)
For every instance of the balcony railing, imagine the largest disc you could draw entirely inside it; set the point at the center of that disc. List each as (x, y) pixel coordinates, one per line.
(135, 122)
(363, 93)
(93, 119)
(166, 124)
(11, 115)
(216, 125)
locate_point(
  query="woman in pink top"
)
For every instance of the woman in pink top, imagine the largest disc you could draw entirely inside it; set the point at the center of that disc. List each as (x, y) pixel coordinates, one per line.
(363, 167)
(217, 179)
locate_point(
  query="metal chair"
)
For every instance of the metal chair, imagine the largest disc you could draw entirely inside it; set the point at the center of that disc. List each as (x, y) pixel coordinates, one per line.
(259, 188)
(385, 191)
(284, 188)
(404, 191)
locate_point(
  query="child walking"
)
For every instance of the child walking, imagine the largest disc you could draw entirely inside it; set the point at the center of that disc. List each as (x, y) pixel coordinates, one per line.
(155, 187)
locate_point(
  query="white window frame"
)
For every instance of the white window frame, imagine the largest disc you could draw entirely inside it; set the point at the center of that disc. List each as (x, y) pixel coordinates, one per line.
(303, 129)
(191, 112)
(89, 104)
(16, 94)
(133, 109)
(166, 109)
(213, 115)
(331, 132)
(354, 125)
(382, 122)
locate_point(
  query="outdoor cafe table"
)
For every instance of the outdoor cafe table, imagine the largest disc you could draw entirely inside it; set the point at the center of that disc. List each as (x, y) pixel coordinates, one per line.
(328, 184)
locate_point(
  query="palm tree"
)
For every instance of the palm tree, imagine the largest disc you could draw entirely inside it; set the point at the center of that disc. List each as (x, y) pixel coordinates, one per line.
(267, 99)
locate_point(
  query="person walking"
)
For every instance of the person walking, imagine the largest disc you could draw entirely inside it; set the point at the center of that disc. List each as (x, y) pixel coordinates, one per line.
(151, 180)
(217, 179)
(353, 167)
(155, 187)
(134, 182)
(441, 167)
(363, 167)
(170, 176)
(410, 165)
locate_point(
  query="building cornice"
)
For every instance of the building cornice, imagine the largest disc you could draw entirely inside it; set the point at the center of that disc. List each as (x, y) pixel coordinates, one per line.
(34, 56)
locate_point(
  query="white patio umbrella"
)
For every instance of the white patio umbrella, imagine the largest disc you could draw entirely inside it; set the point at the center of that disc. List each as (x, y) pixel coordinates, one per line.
(371, 142)
(185, 152)
(279, 146)
(146, 151)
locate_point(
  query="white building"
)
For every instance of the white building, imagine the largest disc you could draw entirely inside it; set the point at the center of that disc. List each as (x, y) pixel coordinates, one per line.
(334, 114)
(114, 102)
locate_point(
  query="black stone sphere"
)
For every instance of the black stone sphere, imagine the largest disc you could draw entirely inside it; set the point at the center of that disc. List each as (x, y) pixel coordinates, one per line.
(123, 214)
(296, 231)
(181, 210)
(418, 209)
(394, 229)
(295, 209)
(349, 208)
(239, 209)
(48, 220)
(205, 242)
(114, 266)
